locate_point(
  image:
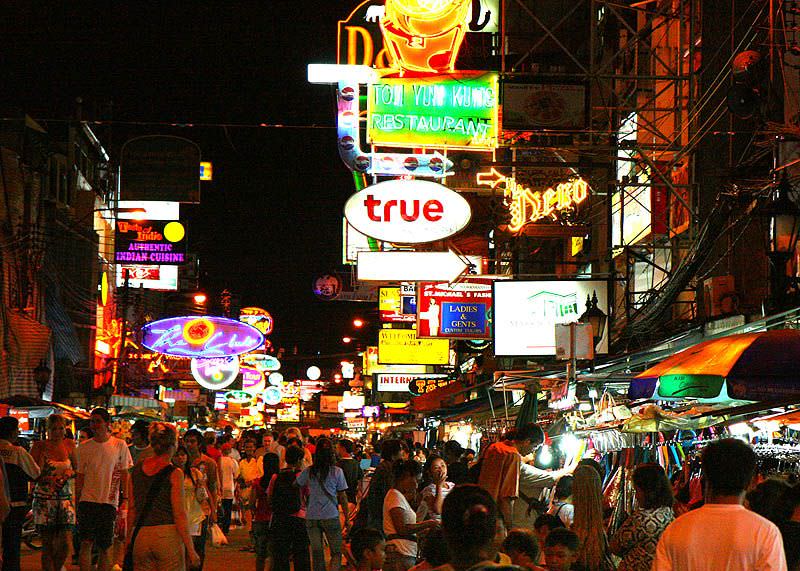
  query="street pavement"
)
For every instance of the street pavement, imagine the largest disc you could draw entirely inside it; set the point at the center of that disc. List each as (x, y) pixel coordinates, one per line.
(226, 558)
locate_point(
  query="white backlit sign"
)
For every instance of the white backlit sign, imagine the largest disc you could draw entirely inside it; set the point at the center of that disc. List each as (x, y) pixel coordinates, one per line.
(526, 313)
(408, 211)
(215, 372)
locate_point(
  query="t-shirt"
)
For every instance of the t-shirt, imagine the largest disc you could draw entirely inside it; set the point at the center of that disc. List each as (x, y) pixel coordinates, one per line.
(720, 537)
(301, 513)
(565, 512)
(263, 511)
(423, 511)
(322, 502)
(102, 464)
(228, 471)
(138, 454)
(20, 469)
(250, 469)
(353, 474)
(208, 467)
(500, 468)
(394, 499)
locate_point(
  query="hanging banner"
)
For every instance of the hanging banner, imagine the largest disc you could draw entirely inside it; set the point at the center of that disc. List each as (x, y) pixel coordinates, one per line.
(402, 347)
(460, 310)
(400, 383)
(428, 383)
(205, 336)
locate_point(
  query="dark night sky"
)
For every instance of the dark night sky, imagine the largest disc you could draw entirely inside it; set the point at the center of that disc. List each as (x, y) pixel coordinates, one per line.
(271, 220)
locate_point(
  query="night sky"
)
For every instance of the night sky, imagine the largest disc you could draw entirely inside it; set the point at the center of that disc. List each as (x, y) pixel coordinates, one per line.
(271, 220)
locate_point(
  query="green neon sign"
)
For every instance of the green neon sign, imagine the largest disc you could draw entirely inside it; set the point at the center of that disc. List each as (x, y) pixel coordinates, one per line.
(457, 110)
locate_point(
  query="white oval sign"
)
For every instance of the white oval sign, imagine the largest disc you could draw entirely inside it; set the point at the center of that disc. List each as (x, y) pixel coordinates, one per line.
(407, 211)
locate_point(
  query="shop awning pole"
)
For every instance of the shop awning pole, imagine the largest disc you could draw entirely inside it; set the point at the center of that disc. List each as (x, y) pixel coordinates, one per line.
(491, 404)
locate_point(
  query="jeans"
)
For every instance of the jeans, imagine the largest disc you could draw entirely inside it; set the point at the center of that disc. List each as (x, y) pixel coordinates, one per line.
(12, 537)
(332, 529)
(225, 521)
(199, 542)
(289, 540)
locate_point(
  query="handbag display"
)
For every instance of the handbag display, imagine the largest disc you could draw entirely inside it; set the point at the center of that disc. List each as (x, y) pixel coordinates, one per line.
(158, 481)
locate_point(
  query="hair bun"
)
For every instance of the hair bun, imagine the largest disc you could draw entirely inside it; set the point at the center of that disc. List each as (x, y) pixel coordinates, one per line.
(474, 513)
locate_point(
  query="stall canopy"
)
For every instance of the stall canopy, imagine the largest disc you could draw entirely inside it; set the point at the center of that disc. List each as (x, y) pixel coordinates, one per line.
(759, 366)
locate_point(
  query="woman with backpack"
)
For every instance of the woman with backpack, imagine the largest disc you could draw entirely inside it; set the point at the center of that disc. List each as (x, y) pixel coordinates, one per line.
(289, 539)
(327, 490)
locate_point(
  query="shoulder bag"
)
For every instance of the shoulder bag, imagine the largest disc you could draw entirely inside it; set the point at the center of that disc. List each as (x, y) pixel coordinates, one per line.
(158, 481)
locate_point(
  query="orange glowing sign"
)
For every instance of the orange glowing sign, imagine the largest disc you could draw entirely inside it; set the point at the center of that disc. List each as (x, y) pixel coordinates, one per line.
(198, 331)
(424, 36)
(527, 206)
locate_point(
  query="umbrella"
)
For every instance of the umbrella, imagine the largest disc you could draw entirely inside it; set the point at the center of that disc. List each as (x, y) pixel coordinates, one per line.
(761, 366)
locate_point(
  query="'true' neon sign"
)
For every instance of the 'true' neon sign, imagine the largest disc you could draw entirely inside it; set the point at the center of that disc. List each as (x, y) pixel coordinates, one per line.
(528, 206)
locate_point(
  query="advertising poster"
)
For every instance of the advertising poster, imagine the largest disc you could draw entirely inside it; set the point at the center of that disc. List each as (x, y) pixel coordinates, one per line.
(402, 347)
(536, 105)
(398, 304)
(455, 311)
(526, 313)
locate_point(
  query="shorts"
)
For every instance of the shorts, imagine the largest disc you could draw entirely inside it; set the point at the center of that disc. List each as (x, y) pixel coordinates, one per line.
(261, 536)
(96, 523)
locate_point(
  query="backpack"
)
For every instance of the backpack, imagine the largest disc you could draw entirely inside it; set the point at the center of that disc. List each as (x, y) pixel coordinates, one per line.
(285, 497)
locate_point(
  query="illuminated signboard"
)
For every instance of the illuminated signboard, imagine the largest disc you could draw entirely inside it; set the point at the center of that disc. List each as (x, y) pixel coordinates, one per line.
(207, 336)
(161, 278)
(398, 304)
(456, 111)
(238, 397)
(527, 206)
(216, 372)
(261, 361)
(258, 318)
(423, 385)
(526, 313)
(401, 347)
(408, 211)
(206, 170)
(424, 36)
(253, 380)
(150, 242)
(460, 310)
(372, 367)
(399, 382)
(290, 411)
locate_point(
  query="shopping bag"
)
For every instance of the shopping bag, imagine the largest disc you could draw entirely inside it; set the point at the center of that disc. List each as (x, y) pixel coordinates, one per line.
(217, 537)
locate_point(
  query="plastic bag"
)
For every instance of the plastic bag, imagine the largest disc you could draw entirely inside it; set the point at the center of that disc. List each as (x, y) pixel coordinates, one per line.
(217, 537)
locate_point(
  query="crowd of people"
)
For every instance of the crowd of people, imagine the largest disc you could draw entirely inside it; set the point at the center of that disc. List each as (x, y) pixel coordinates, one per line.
(153, 503)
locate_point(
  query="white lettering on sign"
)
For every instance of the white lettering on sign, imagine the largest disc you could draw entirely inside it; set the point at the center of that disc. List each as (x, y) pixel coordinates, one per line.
(408, 211)
(400, 382)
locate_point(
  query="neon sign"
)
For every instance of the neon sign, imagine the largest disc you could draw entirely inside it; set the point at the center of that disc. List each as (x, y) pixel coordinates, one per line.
(527, 206)
(262, 362)
(253, 380)
(457, 111)
(408, 211)
(238, 397)
(150, 242)
(424, 36)
(258, 318)
(193, 336)
(216, 372)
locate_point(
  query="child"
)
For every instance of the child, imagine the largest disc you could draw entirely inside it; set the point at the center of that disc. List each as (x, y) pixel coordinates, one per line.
(523, 549)
(434, 551)
(561, 549)
(543, 525)
(368, 549)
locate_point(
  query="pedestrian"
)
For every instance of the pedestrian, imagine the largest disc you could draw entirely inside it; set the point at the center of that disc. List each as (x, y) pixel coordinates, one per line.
(381, 482)
(399, 517)
(500, 467)
(562, 501)
(196, 501)
(53, 506)
(140, 445)
(101, 488)
(327, 490)
(229, 471)
(262, 516)
(84, 434)
(294, 432)
(587, 500)
(20, 470)
(367, 547)
(211, 450)
(250, 470)
(193, 440)
(270, 444)
(289, 538)
(353, 473)
(636, 539)
(788, 516)
(522, 547)
(722, 534)
(159, 537)
(435, 489)
(457, 469)
(469, 520)
(561, 550)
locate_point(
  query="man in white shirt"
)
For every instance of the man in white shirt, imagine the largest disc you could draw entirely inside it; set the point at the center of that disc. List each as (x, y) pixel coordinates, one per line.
(228, 472)
(722, 535)
(101, 483)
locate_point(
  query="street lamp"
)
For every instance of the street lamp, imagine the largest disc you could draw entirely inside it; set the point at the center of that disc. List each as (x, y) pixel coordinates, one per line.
(783, 218)
(595, 317)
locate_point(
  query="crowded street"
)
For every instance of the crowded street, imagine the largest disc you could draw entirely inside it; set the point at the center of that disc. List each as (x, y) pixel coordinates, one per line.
(400, 285)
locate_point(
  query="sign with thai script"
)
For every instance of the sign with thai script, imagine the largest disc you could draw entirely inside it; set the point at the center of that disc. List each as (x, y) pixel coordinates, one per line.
(399, 382)
(460, 310)
(454, 111)
(150, 242)
(259, 318)
(402, 347)
(424, 384)
(397, 304)
(527, 206)
(206, 336)
(408, 211)
(526, 313)
(216, 372)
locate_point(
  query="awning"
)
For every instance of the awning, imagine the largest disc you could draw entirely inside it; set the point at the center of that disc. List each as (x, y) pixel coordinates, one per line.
(25, 344)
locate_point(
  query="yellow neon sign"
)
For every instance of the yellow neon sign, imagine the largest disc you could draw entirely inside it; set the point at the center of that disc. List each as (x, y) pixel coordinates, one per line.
(528, 206)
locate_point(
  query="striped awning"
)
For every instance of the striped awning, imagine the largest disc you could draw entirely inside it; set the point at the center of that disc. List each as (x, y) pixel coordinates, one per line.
(25, 344)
